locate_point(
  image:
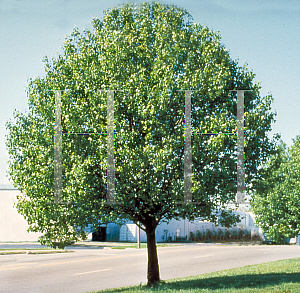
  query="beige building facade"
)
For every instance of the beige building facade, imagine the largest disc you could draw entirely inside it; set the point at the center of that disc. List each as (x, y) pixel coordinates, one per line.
(13, 227)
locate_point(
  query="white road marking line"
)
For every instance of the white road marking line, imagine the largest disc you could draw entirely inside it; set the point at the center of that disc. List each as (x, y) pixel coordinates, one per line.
(92, 272)
(203, 255)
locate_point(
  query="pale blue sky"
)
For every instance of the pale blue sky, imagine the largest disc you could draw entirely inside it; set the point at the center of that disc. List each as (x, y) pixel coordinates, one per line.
(265, 34)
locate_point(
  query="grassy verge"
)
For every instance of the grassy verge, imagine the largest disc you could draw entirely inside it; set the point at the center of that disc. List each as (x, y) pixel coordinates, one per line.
(6, 251)
(118, 245)
(279, 276)
(142, 245)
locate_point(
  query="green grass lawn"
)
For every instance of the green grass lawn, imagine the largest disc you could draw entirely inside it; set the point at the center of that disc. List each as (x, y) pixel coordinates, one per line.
(142, 245)
(6, 251)
(278, 276)
(46, 250)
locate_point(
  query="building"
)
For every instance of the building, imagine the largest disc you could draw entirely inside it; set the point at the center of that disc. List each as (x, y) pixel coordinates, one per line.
(181, 230)
(13, 227)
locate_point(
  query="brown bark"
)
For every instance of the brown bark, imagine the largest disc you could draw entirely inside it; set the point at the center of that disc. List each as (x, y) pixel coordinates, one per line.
(153, 268)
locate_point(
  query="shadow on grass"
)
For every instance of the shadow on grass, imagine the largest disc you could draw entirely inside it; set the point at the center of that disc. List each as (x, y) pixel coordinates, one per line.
(224, 282)
(238, 281)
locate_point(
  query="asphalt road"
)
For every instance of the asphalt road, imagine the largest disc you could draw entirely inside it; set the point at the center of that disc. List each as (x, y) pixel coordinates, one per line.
(93, 269)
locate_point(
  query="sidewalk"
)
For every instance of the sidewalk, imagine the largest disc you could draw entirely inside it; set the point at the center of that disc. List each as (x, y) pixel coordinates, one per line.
(18, 245)
(9, 248)
(86, 244)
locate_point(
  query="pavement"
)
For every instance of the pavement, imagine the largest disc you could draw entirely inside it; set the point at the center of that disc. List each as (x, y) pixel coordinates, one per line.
(91, 267)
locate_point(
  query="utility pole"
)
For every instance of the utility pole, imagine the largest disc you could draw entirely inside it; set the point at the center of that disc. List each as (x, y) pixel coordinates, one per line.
(138, 237)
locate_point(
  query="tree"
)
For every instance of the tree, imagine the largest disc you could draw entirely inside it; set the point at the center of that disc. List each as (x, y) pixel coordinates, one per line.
(148, 51)
(276, 204)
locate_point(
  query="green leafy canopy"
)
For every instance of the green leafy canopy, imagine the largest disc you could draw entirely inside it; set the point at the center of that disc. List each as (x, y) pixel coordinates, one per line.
(149, 52)
(277, 202)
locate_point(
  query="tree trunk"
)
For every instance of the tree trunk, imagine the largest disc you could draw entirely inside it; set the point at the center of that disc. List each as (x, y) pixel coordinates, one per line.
(153, 269)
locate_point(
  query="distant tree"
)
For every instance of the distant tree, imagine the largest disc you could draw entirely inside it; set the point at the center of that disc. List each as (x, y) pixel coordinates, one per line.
(277, 204)
(149, 51)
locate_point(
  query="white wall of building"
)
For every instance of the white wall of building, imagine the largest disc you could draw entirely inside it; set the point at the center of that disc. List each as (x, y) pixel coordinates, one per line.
(13, 227)
(180, 228)
(164, 231)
